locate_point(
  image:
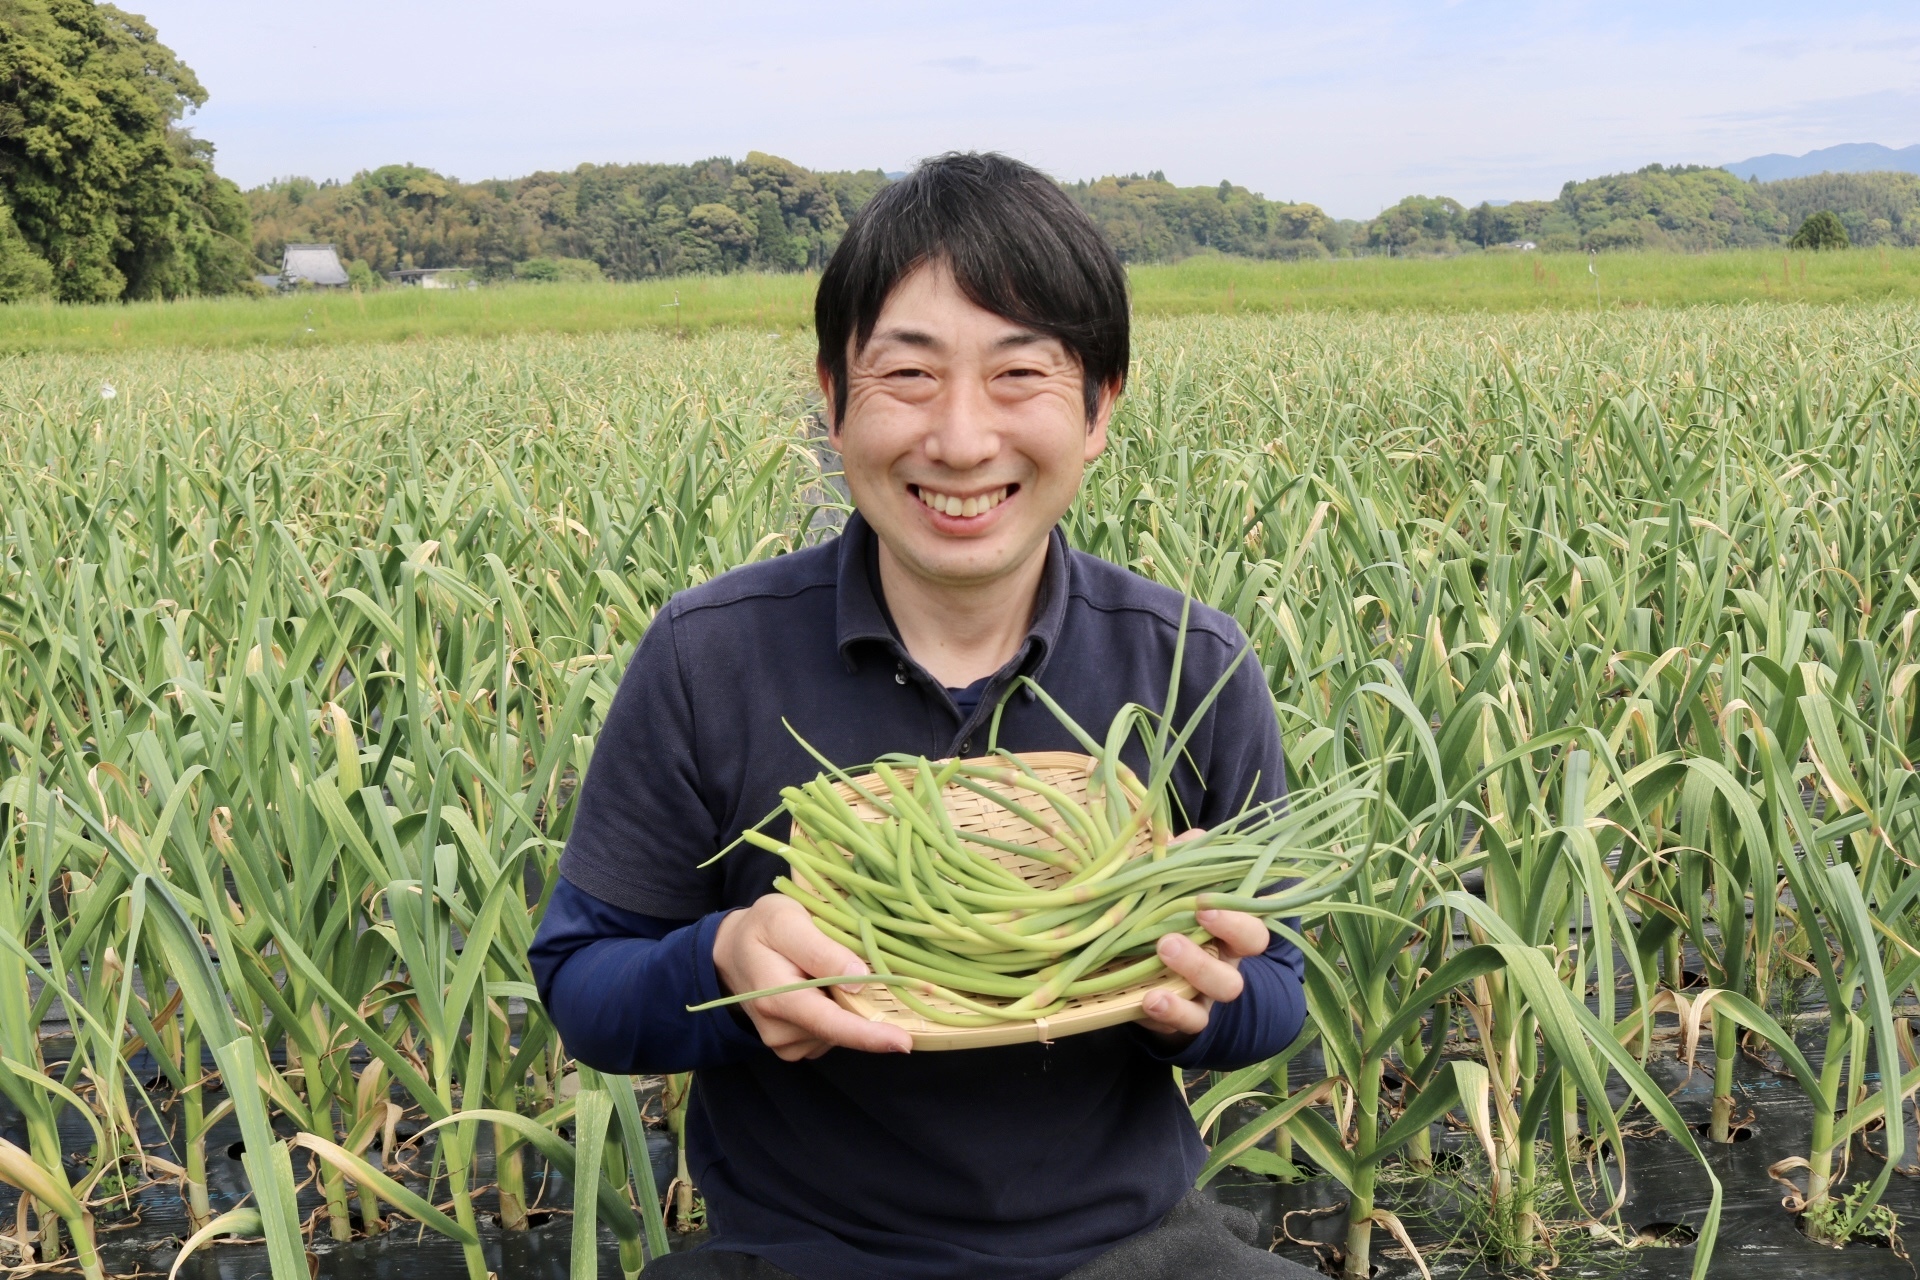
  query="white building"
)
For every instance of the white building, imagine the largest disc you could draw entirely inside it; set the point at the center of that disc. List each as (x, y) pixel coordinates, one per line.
(432, 277)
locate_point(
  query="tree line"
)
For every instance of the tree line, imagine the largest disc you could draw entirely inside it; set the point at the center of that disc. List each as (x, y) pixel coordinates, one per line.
(628, 222)
(1683, 208)
(631, 222)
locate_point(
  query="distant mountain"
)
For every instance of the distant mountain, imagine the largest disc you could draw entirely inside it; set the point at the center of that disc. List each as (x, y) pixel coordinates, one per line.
(1848, 157)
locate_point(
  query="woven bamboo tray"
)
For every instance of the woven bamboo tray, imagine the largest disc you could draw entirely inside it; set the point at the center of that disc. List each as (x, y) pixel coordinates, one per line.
(1066, 771)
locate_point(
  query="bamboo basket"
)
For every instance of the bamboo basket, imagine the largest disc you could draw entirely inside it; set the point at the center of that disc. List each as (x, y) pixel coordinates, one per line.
(1066, 771)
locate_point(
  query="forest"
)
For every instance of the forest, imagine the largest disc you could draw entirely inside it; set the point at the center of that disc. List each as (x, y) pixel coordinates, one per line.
(641, 221)
(1681, 208)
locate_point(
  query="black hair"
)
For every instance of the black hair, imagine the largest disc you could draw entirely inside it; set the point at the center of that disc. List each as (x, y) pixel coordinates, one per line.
(1017, 245)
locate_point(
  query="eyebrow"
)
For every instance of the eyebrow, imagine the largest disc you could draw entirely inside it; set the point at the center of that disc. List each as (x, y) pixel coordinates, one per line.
(1024, 338)
(921, 338)
(906, 337)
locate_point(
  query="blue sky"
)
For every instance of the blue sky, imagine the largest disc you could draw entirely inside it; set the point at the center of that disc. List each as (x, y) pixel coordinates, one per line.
(1350, 106)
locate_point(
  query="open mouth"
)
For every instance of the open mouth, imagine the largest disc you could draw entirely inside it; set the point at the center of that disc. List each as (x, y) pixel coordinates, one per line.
(954, 506)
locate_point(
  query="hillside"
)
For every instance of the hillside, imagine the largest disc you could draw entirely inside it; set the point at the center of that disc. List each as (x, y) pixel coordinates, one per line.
(649, 221)
(1848, 157)
(1683, 208)
(629, 222)
(641, 221)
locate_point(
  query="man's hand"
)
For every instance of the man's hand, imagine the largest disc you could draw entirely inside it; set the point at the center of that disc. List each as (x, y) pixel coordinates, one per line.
(1214, 980)
(774, 943)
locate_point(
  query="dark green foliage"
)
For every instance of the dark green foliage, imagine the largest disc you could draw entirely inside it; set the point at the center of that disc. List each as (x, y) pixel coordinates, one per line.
(647, 220)
(644, 221)
(23, 273)
(557, 270)
(634, 221)
(101, 178)
(1151, 220)
(1684, 207)
(1687, 208)
(1820, 231)
(1419, 224)
(1875, 208)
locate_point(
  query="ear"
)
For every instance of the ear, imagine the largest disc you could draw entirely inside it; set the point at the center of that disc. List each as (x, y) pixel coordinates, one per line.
(1102, 416)
(825, 376)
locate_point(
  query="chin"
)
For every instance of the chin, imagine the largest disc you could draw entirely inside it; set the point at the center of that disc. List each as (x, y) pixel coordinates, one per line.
(947, 563)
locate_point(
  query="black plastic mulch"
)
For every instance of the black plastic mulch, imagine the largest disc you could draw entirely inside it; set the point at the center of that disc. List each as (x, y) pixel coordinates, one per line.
(1667, 1197)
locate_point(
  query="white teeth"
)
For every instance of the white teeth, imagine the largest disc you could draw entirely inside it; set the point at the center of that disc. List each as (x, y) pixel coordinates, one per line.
(948, 504)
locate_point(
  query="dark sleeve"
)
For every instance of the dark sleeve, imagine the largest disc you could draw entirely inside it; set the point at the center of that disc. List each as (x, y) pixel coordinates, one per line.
(1246, 766)
(617, 986)
(1269, 1013)
(643, 826)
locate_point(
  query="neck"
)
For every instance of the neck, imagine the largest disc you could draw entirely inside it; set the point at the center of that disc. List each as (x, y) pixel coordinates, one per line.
(962, 632)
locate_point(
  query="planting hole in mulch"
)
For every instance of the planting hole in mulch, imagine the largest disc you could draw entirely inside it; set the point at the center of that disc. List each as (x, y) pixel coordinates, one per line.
(1738, 1133)
(1667, 1235)
(1873, 1235)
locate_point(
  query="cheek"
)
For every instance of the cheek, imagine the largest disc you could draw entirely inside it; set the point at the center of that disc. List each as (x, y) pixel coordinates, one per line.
(1060, 453)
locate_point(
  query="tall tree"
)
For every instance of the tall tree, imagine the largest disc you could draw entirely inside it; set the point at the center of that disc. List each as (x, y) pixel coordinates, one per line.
(101, 176)
(1822, 230)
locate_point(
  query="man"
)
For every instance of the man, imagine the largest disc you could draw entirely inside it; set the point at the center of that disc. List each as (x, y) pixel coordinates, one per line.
(973, 336)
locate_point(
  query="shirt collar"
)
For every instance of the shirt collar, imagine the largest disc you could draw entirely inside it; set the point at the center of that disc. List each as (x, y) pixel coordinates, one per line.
(860, 615)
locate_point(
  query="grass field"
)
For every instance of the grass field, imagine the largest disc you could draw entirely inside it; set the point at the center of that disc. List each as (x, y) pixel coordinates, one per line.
(303, 654)
(1492, 282)
(1526, 282)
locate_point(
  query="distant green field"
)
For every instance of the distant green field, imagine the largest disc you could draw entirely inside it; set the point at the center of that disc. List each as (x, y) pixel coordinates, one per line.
(771, 302)
(782, 303)
(1527, 281)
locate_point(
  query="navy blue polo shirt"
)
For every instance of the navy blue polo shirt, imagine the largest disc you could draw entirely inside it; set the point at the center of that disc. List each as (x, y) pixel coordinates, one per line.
(1012, 1163)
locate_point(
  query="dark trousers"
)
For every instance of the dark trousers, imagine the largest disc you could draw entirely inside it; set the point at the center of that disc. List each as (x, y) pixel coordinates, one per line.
(1199, 1240)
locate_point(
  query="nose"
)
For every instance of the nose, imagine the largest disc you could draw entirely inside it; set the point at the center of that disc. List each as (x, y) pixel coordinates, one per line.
(965, 434)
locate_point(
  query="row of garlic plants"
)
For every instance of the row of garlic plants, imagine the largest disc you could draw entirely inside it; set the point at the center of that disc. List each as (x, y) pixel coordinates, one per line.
(296, 696)
(301, 662)
(1636, 649)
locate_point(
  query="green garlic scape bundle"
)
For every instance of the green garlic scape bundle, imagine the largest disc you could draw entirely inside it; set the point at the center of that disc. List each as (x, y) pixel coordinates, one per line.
(964, 940)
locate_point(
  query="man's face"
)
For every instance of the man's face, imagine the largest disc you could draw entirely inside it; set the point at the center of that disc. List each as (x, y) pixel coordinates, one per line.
(965, 435)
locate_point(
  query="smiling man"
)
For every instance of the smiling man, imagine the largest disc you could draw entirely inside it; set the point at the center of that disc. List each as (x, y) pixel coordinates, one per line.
(973, 334)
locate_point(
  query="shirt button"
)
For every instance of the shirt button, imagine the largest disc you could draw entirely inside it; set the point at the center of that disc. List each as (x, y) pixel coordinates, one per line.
(966, 748)
(899, 677)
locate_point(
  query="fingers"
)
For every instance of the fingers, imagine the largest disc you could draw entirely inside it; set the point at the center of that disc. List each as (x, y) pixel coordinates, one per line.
(782, 945)
(1242, 934)
(1169, 1015)
(1213, 978)
(815, 1017)
(790, 931)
